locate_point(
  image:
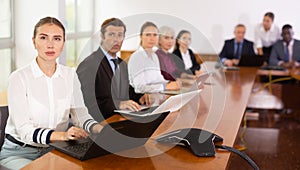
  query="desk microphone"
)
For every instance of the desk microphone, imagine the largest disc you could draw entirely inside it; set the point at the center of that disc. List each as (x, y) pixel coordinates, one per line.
(200, 142)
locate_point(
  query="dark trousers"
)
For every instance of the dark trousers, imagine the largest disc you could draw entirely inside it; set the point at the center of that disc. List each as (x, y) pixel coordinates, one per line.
(267, 52)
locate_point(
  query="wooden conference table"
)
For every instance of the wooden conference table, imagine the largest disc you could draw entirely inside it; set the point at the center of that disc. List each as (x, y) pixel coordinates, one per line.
(222, 105)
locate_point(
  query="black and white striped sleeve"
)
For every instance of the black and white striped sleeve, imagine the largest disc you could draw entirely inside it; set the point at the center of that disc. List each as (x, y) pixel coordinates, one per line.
(42, 135)
(88, 125)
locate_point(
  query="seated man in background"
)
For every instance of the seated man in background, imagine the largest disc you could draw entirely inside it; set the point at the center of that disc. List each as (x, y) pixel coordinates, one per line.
(234, 48)
(104, 76)
(286, 52)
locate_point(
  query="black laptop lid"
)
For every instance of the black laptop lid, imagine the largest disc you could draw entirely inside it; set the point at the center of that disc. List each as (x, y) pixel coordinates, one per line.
(252, 60)
(129, 133)
(116, 137)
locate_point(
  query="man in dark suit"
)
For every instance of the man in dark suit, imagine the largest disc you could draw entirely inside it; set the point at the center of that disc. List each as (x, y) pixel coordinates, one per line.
(104, 76)
(234, 48)
(286, 52)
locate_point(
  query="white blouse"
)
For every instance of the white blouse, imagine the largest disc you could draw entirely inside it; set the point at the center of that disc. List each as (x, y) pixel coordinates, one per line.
(144, 72)
(265, 38)
(187, 60)
(39, 104)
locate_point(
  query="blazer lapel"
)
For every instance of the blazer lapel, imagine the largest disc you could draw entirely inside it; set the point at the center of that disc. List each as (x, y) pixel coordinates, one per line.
(105, 64)
(282, 53)
(294, 55)
(107, 67)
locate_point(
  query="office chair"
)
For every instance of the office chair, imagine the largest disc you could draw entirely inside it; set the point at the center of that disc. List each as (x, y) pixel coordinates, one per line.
(3, 119)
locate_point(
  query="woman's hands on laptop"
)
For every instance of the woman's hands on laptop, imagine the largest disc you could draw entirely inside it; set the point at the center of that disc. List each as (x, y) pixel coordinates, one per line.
(72, 133)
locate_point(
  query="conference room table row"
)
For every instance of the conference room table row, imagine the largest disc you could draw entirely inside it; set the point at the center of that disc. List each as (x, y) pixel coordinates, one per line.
(219, 109)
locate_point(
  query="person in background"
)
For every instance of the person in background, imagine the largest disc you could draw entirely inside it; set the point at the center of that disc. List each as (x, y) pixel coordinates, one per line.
(42, 98)
(144, 67)
(104, 76)
(286, 52)
(182, 50)
(234, 48)
(266, 34)
(168, 66)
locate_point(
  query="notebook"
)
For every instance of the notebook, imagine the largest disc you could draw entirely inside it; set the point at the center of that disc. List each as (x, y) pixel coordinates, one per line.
(198, 82)
(172, 104)
(113, 138)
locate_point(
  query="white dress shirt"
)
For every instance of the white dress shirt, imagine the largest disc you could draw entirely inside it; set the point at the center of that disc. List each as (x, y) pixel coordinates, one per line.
(265, 38)
(187, 60)
(109, 58)
(39, 104)
(144, 72)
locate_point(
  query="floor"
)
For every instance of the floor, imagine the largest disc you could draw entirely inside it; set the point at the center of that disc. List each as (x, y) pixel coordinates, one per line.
(271, 139)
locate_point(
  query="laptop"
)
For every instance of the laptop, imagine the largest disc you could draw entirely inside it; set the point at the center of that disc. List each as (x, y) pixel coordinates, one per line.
(197, 83)
(270, 67)
(245, 61)
(172, 104)
(113, 138)
(252, 60)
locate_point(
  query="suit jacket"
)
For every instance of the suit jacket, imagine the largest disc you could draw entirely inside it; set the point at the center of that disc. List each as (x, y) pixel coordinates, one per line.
(103, 90)
(180, 63)
(278, 53)
(228, 49)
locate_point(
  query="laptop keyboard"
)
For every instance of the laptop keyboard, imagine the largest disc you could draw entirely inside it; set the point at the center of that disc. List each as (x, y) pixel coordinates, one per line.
(80, 147)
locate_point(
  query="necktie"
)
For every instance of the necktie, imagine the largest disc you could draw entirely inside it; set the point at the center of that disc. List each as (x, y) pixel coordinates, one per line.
(116, 81)
(115, 62)
(287, 53)
(237, 52)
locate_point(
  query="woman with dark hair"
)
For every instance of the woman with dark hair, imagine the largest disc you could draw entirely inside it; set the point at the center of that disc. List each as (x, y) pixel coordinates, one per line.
(266, 34)
(167, 60)
(143, 66)
(42, 98)
(182, 50)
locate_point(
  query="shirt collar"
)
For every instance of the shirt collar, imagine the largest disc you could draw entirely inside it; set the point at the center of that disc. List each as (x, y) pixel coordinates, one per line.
(37, 72)
(107, 55)
(142, 49)
(235, 42)
(272, 27)
(290, 44)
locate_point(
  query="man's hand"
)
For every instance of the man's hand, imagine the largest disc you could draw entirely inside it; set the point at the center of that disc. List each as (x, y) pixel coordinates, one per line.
(228, 63)
(145, 99)
(287, 64)
(235, 62)
(129, 104)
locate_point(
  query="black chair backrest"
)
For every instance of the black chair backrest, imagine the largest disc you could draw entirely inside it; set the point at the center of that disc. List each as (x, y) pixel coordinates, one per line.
(3, 119)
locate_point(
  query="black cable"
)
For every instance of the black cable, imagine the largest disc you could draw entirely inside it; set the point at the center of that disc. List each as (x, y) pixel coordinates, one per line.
(241, 154)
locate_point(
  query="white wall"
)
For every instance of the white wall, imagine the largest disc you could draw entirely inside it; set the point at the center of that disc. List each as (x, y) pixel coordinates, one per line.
(27, 15)
(215, 19)
(210, 21)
